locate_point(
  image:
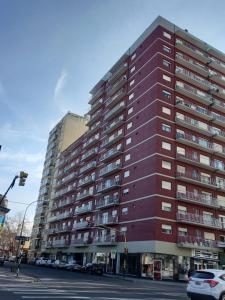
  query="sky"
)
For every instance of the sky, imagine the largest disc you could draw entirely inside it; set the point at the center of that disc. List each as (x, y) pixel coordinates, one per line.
(52, 52)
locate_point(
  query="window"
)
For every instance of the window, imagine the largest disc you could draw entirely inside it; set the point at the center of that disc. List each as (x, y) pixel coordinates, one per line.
(126, 174)
(166, 164)
(166, 146)
(127, 157)
(166, 128)
(204, 160)
(182, 231)
(123, 229)
(129, 125)
(166, 185)
(128, 141)
(125, 191)
(167, 229)
(181, 151)
(166, 206)
(167, 49)
(132, 82)
(130, 110)
(166, 78)
(209, 236)
(132, 70)
(166, 110)
(133, 56)
(131, 96)
(181, 169)
(166, 64)
(166, 94)
(167, 35)
(124, 210)
(181, 189)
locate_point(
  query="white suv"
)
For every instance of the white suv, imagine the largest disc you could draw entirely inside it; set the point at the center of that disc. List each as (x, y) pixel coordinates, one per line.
(207, 284)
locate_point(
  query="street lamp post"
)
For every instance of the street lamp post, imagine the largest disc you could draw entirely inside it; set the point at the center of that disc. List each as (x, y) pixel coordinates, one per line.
(21, 233)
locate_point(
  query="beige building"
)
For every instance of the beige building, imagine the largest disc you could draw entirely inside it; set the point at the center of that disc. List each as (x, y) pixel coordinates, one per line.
(70, 128)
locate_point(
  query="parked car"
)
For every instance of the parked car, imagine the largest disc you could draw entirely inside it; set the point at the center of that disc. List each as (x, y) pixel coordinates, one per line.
(12, 258)
(49, 263)
(41, 261)
(58, 264)
(93, 268)
(207, 284)
(70, 265)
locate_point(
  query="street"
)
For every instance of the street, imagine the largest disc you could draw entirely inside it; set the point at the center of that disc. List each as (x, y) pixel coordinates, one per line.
(59, 284)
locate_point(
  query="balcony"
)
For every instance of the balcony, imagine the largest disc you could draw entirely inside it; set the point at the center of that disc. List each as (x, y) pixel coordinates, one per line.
(91, 141)
(116, 86)
(110, 220)
(93, 129)
(88, 167)
(97, 104)
(192, 78)
(59, 229)
(195, 219)
(194, 109)
(107, 201)
(86, 180)
(219, 105)
(108, 185)
(188, 62)
(83, 242)
(197, 179)
(118, 72)
(194, 125)
(96, 95)
(62, 204)
(89, 154)
(219, 135)
(192, 51)
(58, 244)
(195, 142)
(105, 240)
(193, 93)
(110, 169)
(115, 110)
(84, 195)
(198, 199)
(217, 64)
(112, 139)
(97, 115)
(111, 154)
(80, 225)
(115, 98)
(83, 209)
(218, 119)
(115, 124)
(218, 78)
(192, 159)
(60, 217)
(196, 242)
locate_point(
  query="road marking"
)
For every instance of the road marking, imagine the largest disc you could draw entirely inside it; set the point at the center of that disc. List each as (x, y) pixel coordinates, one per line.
(59, 297)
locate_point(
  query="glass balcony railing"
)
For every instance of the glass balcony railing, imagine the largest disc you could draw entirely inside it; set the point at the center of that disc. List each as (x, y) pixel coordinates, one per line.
(114, 124)
(108, 185)
(112, 139)
(60, 216)
(193, 159)
(198, 219)
(110, 154)
(94, 117)
(118, 72)
(88, 167)
(80, 225)
(91, 141)
(96, 95)
(80, 242)
(109, 169)
(84, 195)
(86, 180)
(96, 105)
(83, 209)
(88, 154)
(107, 201)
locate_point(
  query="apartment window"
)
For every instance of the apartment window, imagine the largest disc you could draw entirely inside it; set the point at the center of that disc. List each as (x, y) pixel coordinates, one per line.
(167, 229)
(130, 110)
(124, 210)
(131, 96)
(128, 141)
(182, 209)
(209, 236)
(133, 56)
(166, 185)
(166, 206)
(167, 35)
(166, 64)
(166, 94)
(166, 165)
(166, 146)
(182, 231)
(181, 169)
(125, 191)
(166, 128)
(167, 49)
(132, 70)
(126, 174)
(166, 110)
(166, 78)
(132, 82)
(181, 151)
(127, 157)
(123, 229)
(181, 189)
(204, 160)
(129, 125)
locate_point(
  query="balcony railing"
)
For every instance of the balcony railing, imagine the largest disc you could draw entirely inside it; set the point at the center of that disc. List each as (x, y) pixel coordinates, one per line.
(217, 64)
(80, 242)
(95, 96)
(88, 167)
(115, 110)
(191, 158)
(93, 140)
(89, 153)
(83, 209)
(58, 244)
(62, 204)
(116, 86)
(192, 78)
(118, 72)
(105, 240)
(115, 124)
(195, 242)
(95, 117)
(93, 128)
(194, 141)
(104, 221)
(107, 201)
(115, 98)
(110, 154)
(194, 109)
(109, 169)
(200, 220)
(84, 195)
(199, 199)
(86, 180)
(59, 229)
(80, 225)
(108, 185)
(197, 179)
(112, 139)
(219, 105)
(96, 105)
(60, 216)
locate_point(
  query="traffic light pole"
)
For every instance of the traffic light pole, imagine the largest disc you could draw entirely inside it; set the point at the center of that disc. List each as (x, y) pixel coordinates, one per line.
(10, 187)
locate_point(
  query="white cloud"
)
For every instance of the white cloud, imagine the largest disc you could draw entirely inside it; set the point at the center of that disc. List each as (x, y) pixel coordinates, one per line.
(60, 84)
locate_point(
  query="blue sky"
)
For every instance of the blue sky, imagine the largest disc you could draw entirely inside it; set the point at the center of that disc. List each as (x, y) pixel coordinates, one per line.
(52, 52)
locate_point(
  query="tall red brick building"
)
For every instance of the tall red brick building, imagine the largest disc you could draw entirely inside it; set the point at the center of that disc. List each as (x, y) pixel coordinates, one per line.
(148, 177)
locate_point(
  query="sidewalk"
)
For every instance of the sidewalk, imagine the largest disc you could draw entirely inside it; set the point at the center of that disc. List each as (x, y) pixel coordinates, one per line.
(6, 274)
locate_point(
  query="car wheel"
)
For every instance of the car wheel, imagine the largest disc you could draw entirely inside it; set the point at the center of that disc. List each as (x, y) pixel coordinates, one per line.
(222, 297)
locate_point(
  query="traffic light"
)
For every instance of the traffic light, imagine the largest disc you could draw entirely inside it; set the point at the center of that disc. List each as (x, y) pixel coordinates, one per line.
(126, 250)
(23, 177)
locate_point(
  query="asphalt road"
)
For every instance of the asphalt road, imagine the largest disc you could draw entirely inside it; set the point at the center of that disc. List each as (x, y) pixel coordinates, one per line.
(59, 284)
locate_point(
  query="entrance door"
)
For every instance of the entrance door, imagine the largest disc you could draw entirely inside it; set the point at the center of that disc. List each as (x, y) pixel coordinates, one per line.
(157, 272)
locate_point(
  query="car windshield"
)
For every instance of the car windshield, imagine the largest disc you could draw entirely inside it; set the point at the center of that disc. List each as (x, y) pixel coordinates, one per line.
(203, 275)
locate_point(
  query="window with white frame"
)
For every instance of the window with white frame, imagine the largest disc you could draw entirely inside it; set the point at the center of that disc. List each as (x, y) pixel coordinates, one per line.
(181, 189)
(133, 56)
(132, 69)
(166, 64)
(130, 110)
(126, 191)
(124, 210)
(129, 125)
(167, 229)
(128, 141)
(166, 128)
(167, 185)
(166, 94)
(166, 206)
(166, 145)
(127, 157)
(166, 164)
(166, 110)
(182, 231)
(167, 78)
(132, 82)
(167, 35)
(131, 96)
(167, 49)
(181, 151)
(126, 173)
